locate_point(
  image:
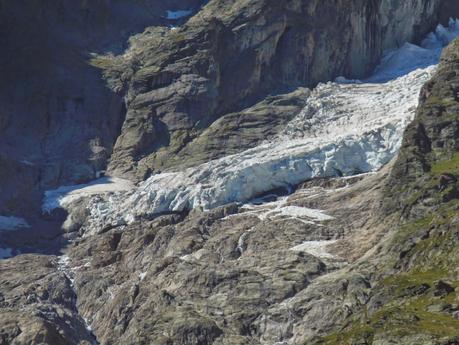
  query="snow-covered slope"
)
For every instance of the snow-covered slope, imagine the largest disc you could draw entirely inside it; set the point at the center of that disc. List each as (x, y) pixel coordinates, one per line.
(65, 195)
(348, 127)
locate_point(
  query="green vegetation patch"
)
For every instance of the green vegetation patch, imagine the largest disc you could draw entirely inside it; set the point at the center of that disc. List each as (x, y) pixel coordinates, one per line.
(401, 318)
(450, 166)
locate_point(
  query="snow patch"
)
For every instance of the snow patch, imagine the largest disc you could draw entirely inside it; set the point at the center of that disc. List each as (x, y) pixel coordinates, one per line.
(281, 208)
(315, 248)
(12, 223)
(65, 195)
(296, 211)
(87, 324)
(142, 275)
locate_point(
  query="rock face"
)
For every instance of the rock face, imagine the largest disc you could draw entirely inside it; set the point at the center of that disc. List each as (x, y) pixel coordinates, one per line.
(234, 275)
(37, 304)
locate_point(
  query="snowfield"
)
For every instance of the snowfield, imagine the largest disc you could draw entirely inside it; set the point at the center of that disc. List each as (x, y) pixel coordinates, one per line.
(347, 128)
(65, 195)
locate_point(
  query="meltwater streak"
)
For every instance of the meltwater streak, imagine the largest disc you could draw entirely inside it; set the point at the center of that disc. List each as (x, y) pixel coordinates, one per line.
(348, 127)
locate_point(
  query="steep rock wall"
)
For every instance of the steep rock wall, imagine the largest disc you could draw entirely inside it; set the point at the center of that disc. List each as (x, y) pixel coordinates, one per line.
(58, 120)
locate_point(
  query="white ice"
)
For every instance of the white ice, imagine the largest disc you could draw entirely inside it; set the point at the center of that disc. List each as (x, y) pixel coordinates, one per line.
(12, 223)
(178, 14)
(347, 127)
(63, 196)
(409, 57)
(316, 248)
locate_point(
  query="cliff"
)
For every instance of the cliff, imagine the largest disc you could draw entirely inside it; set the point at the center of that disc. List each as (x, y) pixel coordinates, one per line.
(58, 120)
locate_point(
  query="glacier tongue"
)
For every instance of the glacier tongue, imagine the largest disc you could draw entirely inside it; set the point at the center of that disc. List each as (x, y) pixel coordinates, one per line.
(65, 195)
(348, 127)
(345, 129)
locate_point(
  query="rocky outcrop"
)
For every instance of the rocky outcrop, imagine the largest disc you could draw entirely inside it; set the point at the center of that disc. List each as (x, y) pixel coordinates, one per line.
(233, 53)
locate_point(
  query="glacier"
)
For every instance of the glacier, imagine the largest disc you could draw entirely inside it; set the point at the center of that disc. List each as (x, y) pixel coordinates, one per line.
(348, 127)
